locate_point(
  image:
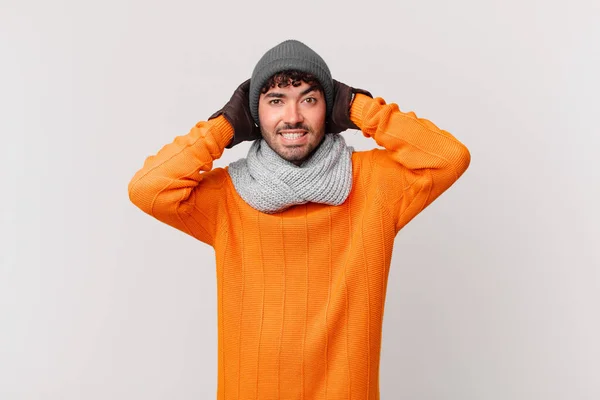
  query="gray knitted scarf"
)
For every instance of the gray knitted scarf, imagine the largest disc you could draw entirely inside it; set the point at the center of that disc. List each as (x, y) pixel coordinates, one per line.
(270, 184)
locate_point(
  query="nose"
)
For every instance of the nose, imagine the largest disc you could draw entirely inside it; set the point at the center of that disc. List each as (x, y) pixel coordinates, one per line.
(292, 114)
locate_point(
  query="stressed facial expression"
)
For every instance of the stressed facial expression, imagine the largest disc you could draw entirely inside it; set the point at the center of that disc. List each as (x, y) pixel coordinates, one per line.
(292, 120)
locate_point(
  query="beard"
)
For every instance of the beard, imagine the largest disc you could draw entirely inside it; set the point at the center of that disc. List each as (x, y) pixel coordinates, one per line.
(295, 154)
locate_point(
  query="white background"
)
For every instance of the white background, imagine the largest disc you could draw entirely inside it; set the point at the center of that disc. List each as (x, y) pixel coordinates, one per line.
(494, 291)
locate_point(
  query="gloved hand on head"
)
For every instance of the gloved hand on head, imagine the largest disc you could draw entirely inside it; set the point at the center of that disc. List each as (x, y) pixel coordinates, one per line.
(237, 113)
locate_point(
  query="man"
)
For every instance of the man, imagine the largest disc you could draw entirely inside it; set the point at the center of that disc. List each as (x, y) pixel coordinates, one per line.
(302, 228)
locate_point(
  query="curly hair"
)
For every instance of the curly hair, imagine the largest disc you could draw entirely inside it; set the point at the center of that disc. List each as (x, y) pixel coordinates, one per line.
(291, 77)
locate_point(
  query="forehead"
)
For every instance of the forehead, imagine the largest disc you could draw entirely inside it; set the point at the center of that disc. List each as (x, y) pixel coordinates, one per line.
(289, 90)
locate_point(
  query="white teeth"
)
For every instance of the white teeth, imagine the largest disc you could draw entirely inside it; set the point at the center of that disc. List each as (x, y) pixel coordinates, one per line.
(292, 135)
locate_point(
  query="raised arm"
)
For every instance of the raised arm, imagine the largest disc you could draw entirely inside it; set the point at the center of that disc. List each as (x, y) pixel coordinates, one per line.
(168, 187)
(420, 161)
(175, 185)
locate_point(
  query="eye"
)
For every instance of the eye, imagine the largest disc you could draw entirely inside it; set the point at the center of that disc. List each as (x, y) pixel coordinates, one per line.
(310, 100)
(275, 101)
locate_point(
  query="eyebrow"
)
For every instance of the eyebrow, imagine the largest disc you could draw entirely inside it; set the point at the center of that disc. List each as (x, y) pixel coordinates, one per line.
(276, 95)
(310, 89)
(281, 95)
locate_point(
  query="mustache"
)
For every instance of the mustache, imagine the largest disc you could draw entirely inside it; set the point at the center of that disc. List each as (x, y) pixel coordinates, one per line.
(299, 125)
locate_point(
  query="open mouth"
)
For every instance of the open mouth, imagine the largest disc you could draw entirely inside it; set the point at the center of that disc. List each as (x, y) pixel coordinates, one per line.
(293, 136)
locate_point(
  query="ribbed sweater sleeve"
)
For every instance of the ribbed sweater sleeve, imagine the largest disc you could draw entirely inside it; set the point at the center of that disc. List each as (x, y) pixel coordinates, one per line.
(419, 163)
(175, 187)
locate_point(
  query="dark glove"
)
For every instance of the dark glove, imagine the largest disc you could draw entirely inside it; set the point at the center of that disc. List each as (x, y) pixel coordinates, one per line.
(339, 120)
(237, 113)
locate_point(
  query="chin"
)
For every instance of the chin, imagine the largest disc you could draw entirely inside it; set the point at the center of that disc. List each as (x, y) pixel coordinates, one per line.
(294, 158)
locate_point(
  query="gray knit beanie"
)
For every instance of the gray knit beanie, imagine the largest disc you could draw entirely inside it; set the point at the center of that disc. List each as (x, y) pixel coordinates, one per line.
(289, 55)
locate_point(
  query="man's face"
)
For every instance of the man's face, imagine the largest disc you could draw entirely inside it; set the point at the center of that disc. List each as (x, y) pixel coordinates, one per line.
(292, 120)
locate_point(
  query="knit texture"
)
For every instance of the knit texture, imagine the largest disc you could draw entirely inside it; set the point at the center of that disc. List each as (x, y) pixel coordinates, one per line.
(290, 55)
(270, 183)
(301, 293)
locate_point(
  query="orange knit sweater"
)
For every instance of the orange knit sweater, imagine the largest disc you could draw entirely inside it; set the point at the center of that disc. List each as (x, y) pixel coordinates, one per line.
(301, 293)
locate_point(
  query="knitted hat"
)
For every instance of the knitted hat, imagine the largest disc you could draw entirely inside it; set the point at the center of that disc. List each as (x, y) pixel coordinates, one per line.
(289, 55)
